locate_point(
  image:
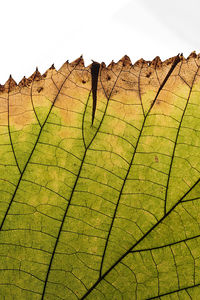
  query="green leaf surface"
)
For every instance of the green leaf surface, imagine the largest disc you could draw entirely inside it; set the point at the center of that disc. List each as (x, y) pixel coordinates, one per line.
(101, 200)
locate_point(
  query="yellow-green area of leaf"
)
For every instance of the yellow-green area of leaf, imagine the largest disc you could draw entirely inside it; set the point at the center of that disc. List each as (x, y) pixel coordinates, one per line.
(100, 182)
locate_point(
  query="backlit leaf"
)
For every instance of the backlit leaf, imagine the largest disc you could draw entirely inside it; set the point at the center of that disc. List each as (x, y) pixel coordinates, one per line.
(100, 182)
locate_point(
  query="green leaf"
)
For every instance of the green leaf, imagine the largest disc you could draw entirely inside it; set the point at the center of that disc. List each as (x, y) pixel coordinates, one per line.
(100, 183)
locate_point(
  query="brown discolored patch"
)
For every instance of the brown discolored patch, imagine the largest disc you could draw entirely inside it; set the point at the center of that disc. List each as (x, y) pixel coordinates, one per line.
(108, 77)
(148, 74)
(157, 102)
(125, 61)
(40, 89)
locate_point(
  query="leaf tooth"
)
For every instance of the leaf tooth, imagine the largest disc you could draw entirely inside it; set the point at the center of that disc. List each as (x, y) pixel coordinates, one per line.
(192, 55)
(182, 58)
(10, 84)
(141, 62)
(38, 75)
(103, 65)
(52, 67)
(172, 59)
(24, 82)
(125, 60)
(156, 62)
(78, 62)
(35, 76)
(111, 65)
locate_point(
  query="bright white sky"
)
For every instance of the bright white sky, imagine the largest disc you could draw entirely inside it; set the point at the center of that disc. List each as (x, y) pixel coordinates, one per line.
(42, 32)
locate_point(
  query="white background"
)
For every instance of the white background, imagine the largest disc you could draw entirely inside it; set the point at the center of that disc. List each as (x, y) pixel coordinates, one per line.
(42, 32)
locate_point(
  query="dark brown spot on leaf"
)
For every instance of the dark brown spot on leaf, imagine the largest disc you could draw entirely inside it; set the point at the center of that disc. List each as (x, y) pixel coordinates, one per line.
(148, 75)
(40, 89)
(108, 77)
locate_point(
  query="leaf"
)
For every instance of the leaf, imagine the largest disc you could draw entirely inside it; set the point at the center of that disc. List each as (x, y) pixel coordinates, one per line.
(108, 210)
